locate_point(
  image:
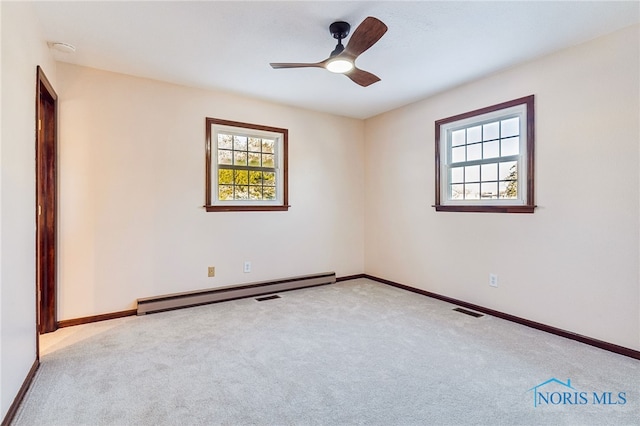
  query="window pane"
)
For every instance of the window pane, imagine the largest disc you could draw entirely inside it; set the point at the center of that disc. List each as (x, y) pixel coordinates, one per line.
(255, 178)
(255, 192)
(491, 149)
(457, 192)
(224, 156)
(510, 146)
(472, 191)
(268, 145)
(241, 177)
(474, 134)
(240, 158)
(489, 190)
(457, 138)
(489, 172)
(225, 192)
(225, 141)
(472, 174)
(240, 143)
(254, 159)
(510, 127)
(457, 154)
(225, 176)
(474, 152)
(490, 131)
(509, 189)
(508, 170)
(268, 160)
(269, 178)
(269, 193)
(255, 144)
(457, 175)
(242, 193)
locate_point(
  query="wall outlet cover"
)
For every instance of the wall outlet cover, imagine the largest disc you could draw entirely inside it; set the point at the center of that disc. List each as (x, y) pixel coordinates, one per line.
(493, 280)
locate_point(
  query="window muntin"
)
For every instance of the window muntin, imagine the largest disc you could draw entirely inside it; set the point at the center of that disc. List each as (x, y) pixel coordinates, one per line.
(246, 166)
(484, 159)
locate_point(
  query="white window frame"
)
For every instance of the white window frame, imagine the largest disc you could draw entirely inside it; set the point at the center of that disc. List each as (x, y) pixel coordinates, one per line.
(280, 137)
(523, 203)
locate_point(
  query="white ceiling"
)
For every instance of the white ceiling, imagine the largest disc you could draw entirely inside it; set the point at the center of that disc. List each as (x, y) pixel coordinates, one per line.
(429, 47)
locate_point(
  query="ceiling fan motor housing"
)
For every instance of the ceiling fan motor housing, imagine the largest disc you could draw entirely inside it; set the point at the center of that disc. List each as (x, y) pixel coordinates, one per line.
(339, 29)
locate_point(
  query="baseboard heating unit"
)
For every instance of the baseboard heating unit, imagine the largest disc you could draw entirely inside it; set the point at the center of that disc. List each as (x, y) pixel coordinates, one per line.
(169, 302)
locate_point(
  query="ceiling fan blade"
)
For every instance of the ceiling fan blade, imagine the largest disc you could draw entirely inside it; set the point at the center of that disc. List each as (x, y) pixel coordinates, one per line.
(365, 36)
(278, 65)
(361, 77)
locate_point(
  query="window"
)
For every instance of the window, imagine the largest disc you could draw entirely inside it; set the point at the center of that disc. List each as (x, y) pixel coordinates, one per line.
(484, 159)
(246, 167)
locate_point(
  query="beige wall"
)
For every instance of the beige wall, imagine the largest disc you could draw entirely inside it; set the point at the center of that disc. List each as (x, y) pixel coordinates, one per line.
(132, 189)
(22, 50)
(574, 263)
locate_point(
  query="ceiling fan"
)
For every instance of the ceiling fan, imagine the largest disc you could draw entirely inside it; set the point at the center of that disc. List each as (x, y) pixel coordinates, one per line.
(342, 59)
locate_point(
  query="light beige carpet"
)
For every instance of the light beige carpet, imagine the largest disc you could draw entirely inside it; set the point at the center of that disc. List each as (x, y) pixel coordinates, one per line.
(356, 352)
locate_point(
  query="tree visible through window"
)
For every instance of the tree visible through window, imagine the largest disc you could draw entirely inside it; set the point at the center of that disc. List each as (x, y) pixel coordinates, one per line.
(246, 166)
(484, 159)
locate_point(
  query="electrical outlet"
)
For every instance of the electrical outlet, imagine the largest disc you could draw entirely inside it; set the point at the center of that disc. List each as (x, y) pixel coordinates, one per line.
(247, 266)
(212, 271)
(493, 280)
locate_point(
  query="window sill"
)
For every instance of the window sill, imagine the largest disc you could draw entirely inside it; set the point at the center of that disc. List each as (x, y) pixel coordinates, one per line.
(246, 208)
(485, 209)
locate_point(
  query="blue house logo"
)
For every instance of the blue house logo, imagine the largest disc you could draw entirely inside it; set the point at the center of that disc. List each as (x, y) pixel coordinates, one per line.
(557, 392)
(546, 397)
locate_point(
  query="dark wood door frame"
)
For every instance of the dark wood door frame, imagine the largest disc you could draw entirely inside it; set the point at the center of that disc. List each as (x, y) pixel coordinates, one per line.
(46, 203)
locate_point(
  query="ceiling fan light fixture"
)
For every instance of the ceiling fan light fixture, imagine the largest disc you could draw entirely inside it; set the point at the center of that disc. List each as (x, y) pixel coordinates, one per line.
(339, 66)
